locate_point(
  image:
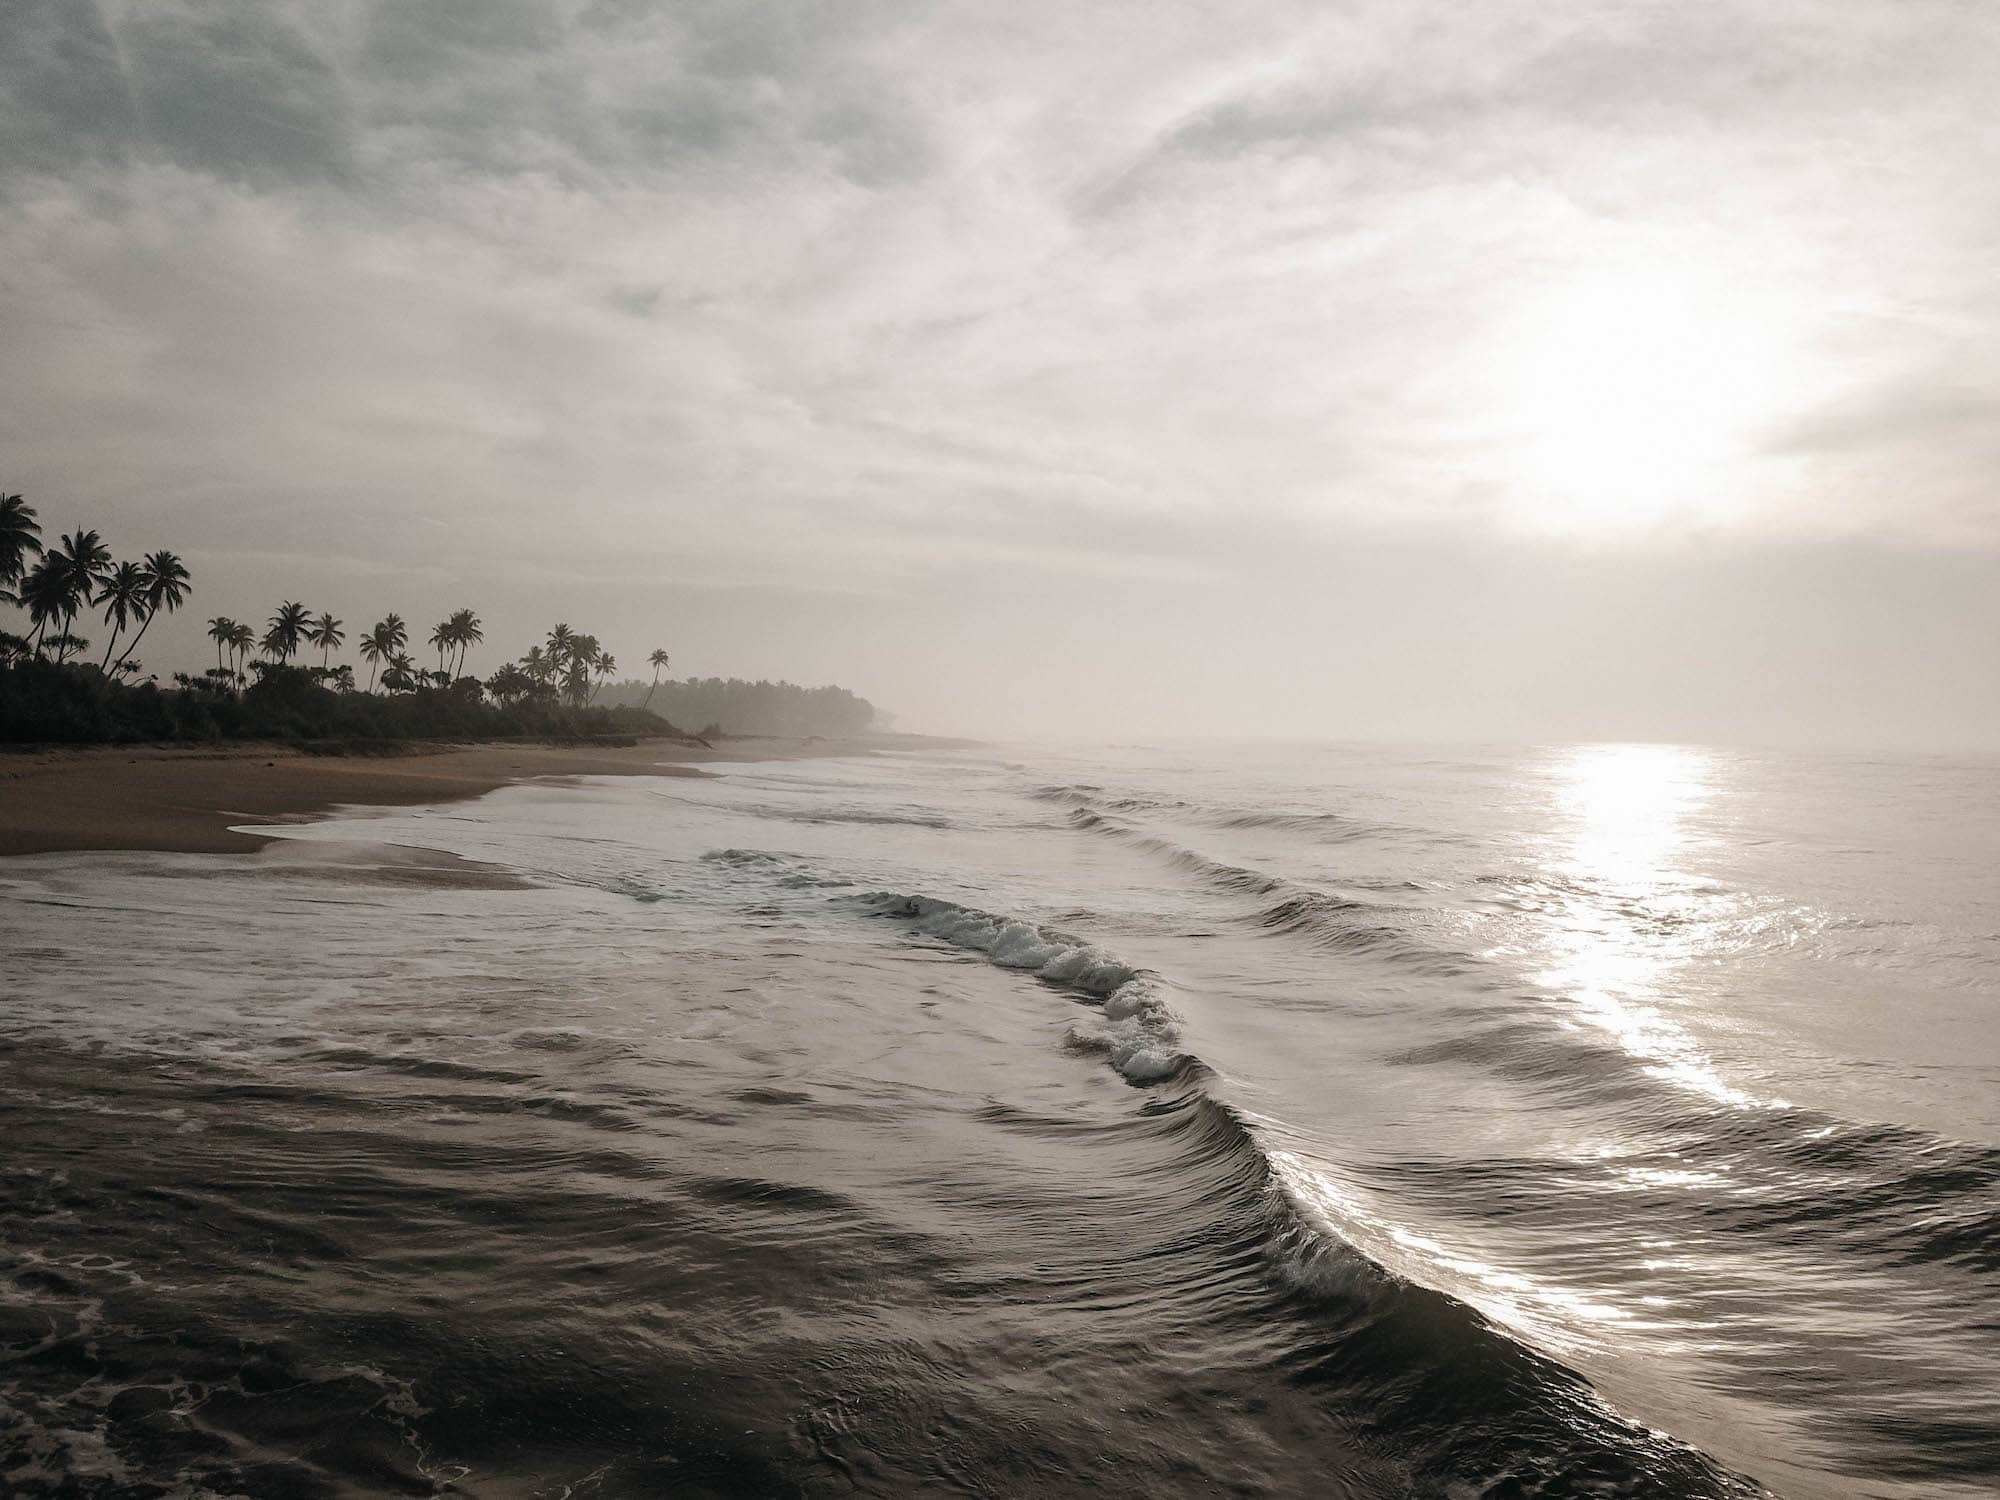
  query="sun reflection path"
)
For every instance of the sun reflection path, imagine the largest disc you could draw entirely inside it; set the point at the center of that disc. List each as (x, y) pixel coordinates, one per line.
(1628, 805)
(1622, 917)
(1632, 919)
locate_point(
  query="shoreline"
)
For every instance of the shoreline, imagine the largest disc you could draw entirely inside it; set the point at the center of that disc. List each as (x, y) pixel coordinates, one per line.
(190, 800)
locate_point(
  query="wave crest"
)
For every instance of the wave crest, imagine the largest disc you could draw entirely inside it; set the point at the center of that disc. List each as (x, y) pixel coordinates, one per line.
(1141, 1038)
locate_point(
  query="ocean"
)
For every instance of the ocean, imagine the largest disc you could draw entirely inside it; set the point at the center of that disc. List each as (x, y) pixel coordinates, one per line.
(1165, 1120)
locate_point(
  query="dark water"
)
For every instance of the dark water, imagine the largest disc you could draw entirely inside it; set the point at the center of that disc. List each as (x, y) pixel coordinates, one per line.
(1597, 1121)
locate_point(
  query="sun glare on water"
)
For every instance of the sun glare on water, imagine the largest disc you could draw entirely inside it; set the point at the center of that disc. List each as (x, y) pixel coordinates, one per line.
(1628, 397)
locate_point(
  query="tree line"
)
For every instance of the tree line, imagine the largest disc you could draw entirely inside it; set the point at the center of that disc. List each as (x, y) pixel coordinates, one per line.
(733, 706)
(56, 584)
(50, 689)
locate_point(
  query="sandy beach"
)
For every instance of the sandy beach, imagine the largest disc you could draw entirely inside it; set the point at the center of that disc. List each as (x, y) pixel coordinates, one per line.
(191, 800)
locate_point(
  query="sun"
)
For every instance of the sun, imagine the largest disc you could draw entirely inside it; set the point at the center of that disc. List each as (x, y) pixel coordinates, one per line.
(1630, 395)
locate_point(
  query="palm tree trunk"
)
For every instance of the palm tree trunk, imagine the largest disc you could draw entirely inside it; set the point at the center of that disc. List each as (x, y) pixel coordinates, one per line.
(105, 665)
(145, 623)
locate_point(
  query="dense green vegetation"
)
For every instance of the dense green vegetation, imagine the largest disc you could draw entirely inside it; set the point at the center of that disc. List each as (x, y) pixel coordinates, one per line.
(50, 689)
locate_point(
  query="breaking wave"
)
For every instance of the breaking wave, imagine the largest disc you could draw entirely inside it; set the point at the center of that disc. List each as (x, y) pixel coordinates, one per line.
(1141, 1036)
(1524, 1424)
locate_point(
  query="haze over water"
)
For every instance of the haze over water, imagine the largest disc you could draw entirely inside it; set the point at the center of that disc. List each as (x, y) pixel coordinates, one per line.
(1181, 1119)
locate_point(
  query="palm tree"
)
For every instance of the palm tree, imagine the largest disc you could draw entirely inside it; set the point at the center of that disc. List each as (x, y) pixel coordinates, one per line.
(561, 643)
(220, 630)
(123, 596)
(81, 562)
(373, 647)
(605, 667)
(383, 643)
(241, 639)
(325, 633)
(466, 632)
(166, 587)
(443, 639)
(402, 674)
(576, 684)
(288, 628)
(45, 592)
(20, 539)
(582, 657)
(658, 661)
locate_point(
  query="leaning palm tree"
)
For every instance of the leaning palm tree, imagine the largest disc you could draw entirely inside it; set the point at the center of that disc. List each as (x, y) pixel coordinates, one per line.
(658, 661)
(166, 588)
(122, 595)
(374, 647)
(604, 666)
(466, 633)
(288, 629)
(325, 633)
(221, 630)
(20, 539)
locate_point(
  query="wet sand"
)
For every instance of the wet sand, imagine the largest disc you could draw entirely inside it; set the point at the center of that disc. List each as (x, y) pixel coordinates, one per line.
(186, 800)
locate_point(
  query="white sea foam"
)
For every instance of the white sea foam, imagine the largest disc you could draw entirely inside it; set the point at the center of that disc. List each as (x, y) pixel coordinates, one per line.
(1141, 1035)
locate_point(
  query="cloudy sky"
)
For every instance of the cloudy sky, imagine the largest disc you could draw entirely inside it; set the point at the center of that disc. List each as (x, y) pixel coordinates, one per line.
(1527, 369)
